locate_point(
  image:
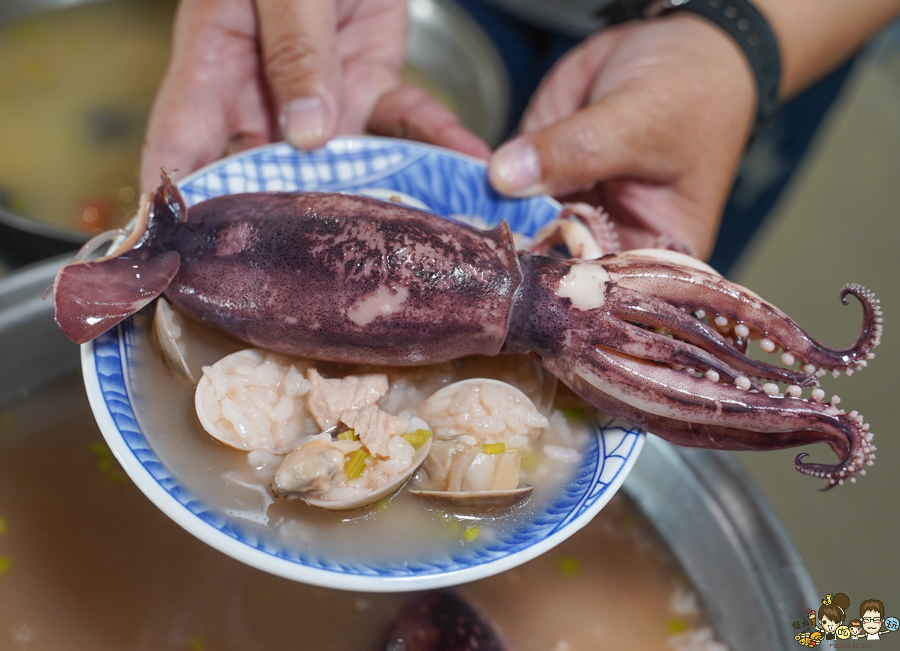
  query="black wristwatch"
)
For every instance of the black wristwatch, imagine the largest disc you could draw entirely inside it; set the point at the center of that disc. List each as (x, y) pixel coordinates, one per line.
(740, 20)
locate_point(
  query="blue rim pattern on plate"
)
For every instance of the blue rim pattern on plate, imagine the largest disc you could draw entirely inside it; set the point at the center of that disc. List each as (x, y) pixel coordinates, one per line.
(450, 184)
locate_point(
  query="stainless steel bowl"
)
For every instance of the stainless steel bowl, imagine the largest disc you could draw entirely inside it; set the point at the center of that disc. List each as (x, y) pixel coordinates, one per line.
(728, 542)
(446, 51)
(460, 60)
(727, 539)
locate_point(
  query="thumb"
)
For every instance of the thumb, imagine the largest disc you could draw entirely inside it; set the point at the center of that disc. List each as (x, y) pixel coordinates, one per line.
(301, 63)
(607, 139)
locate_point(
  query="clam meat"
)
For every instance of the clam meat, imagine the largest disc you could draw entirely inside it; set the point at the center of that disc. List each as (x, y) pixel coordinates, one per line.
(482, 429)
(358, 467)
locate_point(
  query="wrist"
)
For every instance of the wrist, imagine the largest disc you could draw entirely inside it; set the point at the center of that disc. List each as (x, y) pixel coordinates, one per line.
(741, 21)
(818, 35)
(717, 70)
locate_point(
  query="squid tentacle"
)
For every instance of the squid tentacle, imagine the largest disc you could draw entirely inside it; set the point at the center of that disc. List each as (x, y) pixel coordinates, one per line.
(653, 312)
(581, 338)
(698, 289)
(870, 334)
(644, 344)
(778, 423)
(583, 230)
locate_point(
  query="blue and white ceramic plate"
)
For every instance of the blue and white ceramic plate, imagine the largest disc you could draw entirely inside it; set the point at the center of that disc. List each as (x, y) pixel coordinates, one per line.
(449, 184)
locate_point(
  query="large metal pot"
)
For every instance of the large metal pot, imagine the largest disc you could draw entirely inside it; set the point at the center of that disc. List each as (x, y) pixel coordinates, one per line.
(733, 550)
(446, 51)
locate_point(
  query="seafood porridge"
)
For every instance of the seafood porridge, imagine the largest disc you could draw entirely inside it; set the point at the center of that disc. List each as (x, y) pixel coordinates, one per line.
(323, 432)
(103, 568)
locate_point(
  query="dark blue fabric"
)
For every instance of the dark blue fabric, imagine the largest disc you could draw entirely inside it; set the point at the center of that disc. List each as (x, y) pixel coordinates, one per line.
(774, 156)
(529, 52)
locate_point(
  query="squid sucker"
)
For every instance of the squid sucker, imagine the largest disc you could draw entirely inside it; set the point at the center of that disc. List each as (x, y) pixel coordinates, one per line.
(654, 337)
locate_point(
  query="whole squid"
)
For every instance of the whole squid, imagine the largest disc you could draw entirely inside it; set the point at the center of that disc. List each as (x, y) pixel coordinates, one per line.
(654, 337)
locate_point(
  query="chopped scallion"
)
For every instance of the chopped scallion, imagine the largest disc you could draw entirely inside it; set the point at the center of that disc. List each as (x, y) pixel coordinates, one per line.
(417, 437)
(356, 463)
(493, 448)
(196, 644)
(471, 533)
(676, 625)
(567, 565)
(530, 460)
(574, 413)
(106, 462)
(349, 435)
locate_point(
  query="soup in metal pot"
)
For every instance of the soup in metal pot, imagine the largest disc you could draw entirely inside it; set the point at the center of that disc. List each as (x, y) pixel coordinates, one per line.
(77, 88)
(87, 563)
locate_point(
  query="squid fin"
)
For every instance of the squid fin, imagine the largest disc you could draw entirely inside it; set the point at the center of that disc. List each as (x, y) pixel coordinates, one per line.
(92, 296)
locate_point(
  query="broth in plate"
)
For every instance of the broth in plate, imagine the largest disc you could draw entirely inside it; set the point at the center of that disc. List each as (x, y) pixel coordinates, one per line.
(396, 529)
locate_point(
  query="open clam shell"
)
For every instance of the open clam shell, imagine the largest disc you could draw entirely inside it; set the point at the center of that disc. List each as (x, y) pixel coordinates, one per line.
(310, 471)
(186, 345)
(377, 494)
(168, 327)
(443, 407)
(466, 417)
(480, 500)
(226, 401)
(536, 382)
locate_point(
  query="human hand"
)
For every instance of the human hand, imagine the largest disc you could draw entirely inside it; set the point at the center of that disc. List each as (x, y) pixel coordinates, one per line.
(649, 120)
(247, 72)
(412, 113)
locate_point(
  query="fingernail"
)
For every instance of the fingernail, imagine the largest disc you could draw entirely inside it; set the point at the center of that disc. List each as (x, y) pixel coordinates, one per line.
(304, 121)
(516, 169)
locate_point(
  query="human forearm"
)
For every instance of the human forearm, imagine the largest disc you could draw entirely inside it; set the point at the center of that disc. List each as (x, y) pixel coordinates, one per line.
(815, 36)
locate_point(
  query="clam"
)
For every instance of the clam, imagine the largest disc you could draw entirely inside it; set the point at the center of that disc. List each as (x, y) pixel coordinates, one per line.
(529, 376)
(311, 468)
(253, 400)
(478, 500)
(186, 345)
(341, 474)
(168, 326)
(482, 428)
